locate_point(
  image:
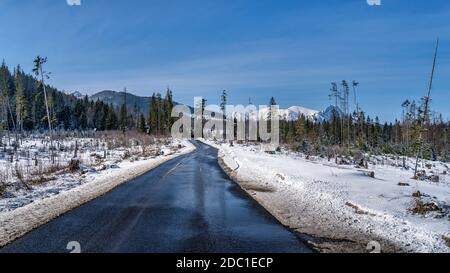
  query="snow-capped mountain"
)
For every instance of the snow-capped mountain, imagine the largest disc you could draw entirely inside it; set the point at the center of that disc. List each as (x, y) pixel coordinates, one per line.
(117, 98)
(77, 94)
(295, 112)
(328, 113)
(291, 113)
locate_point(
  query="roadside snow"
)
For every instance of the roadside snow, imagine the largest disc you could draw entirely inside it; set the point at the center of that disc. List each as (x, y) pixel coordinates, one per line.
(48, 202)
(324, 199)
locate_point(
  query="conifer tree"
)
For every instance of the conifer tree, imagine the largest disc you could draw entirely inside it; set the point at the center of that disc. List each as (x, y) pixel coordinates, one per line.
(142, 125)
(153, 114)
(168, 106)
(21, 109)
(123, 118)
(111, 119)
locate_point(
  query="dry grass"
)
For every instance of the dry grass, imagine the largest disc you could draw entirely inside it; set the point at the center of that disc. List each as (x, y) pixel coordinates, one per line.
(41, 180)
(30, 166)
(422, 208)
(19, 175)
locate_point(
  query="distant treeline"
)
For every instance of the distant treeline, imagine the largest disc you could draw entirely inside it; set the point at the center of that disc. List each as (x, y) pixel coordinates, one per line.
(22, 108)
(347, 133)
(418, 133)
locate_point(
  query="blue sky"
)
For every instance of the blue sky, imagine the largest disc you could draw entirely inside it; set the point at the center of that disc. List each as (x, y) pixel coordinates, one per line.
(292, 50)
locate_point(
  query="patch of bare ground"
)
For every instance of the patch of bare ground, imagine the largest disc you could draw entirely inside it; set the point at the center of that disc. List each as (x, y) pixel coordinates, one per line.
(424, 205)
(367, 245)
(256, 187)
(421, 207)
(2, 188)
(358, 210)
(446, 240)
(337, 246)
(315, 238)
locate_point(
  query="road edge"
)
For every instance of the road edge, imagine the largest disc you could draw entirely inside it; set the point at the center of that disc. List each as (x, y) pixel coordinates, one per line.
(17, 223)
(322, 244)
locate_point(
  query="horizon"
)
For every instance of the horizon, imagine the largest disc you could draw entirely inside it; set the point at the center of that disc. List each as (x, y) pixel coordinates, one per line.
(257, 50)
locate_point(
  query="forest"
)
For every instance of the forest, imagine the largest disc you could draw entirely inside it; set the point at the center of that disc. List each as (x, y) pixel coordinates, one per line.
(23, 108)
(418, 133)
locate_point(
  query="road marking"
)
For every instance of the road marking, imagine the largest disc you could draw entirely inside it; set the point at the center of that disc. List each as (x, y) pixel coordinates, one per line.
(172, 170)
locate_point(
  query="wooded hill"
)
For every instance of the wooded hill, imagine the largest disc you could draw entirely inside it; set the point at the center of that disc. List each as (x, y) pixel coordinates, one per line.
(22, 108)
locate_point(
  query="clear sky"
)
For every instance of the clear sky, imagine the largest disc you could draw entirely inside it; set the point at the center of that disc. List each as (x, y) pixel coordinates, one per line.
(292, 50)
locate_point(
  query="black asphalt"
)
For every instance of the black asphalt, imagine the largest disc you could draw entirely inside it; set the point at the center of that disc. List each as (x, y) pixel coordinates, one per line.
(185, 205)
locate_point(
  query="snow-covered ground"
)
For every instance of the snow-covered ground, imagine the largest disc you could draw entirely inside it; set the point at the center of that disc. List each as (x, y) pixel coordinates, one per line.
(343, 203)
(29, 174)
(27, 205)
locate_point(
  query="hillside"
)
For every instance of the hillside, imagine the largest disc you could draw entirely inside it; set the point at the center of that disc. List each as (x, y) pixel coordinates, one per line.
(117, 98)
(134, 102)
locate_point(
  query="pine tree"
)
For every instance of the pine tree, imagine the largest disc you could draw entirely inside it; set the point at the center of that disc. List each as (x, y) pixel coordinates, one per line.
(270, 113)
(4, 90)
(153, 114)
(346, 119)
(223, 101)
(168, 106)
(123, 118)
(159, 114)
(21, 109)
(142, 126)
(111, 119)
(300, 128)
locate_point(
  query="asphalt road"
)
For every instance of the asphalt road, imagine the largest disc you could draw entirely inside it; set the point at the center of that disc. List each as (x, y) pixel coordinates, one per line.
(185, 205)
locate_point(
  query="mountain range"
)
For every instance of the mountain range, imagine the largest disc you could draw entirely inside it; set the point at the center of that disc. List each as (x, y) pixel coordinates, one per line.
(141, 103)
(295, 112)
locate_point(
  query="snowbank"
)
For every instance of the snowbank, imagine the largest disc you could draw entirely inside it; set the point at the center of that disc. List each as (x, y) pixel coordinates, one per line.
(343, 203)
(16, 223)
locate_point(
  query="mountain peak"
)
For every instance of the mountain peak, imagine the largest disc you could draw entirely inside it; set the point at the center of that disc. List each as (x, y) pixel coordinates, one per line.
(77, 94)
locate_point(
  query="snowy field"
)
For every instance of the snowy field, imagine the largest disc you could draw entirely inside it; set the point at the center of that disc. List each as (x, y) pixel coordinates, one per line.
(27, 174)
(344, 203)
(47, 190)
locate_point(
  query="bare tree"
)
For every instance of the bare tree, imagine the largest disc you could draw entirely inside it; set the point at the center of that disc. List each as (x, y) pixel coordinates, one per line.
(406, 116)
(345, 103)
(223, 105)
(334, 93)
(424, 118)
(355, 84)
(358, 111)
(39, 71)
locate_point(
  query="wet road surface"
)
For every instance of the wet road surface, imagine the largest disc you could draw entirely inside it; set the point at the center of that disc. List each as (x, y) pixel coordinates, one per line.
(186, 205)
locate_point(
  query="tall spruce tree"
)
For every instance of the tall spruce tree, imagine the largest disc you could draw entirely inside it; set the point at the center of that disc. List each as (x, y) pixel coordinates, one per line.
(153, 114)
(21, 109)
(168, 106)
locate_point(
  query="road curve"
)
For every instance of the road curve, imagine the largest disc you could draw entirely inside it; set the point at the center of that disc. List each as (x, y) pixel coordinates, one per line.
(187, 204)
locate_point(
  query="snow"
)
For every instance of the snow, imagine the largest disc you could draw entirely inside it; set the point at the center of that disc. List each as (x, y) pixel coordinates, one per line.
(230, 162)
(27, 210)
(293, 113)
(41, 178)
(323, 199)
(327, 114)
